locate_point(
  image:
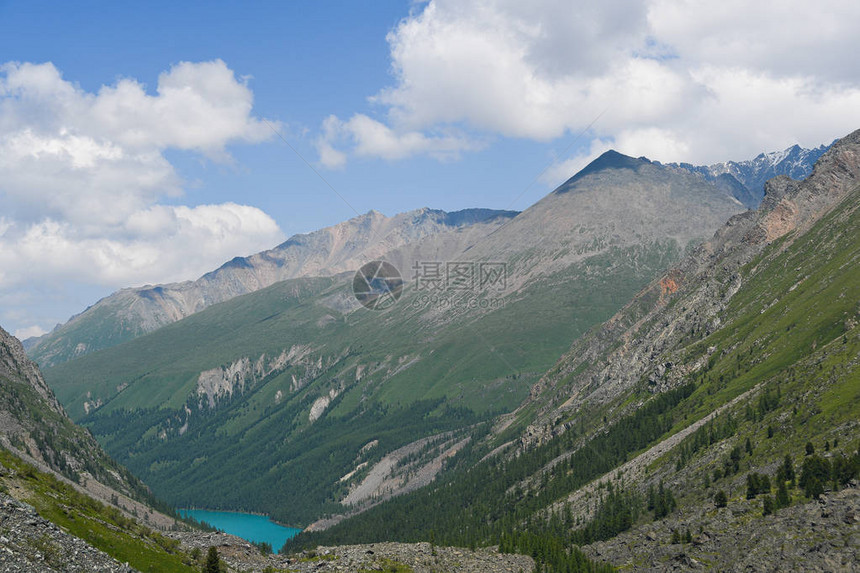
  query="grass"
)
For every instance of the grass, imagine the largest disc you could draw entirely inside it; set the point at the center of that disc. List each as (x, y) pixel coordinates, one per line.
(103, 527)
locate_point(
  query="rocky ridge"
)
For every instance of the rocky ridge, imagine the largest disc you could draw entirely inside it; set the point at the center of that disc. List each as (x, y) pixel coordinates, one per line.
(132, 312)
(745, 180)
(640, 341)
(239, 555)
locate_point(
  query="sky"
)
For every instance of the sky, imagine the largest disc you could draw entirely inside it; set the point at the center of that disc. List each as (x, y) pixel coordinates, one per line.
(143, 143)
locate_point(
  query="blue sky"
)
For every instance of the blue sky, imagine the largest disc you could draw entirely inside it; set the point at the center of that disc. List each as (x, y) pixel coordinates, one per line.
(138, 150)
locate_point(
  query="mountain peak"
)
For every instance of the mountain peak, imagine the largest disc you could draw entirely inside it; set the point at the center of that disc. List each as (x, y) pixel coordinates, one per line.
(608, 160)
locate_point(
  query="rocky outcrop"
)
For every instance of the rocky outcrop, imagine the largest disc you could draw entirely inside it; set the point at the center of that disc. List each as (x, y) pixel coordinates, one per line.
(418, 557)
(222, 383)
(30, 544)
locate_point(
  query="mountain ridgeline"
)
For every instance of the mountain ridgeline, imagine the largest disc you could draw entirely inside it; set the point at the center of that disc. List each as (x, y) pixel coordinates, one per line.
(286, 400)
(662, 379)
(745, 180)
(709, 420)
(130, 313)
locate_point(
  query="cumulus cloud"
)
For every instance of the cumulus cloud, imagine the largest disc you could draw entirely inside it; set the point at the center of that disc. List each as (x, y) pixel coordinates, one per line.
(679, 81)
(158, 244)
(83, 175)
(371, 138)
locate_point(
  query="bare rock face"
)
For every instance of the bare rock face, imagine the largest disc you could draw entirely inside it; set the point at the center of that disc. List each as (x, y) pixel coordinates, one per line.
(15, 364)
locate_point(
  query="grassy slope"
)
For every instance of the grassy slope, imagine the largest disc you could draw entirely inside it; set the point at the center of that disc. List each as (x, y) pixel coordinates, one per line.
(102, 527)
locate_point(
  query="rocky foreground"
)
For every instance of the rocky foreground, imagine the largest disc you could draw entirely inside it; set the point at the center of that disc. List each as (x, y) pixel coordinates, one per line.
(30, 544)
(239, 555)
(821, 535)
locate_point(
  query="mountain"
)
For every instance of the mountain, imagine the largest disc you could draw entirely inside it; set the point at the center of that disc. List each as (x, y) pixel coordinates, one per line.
(710, 420)
(34, 425)
(65, 505)
(132, 312)
(283, 399)
(745, 180)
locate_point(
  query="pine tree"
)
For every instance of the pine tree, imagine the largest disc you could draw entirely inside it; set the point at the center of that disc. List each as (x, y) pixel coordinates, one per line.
(720, 499)
(782, 497)
(213, 563)
(767, 505)
(752, 485)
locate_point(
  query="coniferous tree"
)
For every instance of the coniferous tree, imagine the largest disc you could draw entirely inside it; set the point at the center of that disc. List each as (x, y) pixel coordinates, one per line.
(213, 563)
(786, 471)
(767, 505)
(782, 497)
(720, 499)
(814, 474)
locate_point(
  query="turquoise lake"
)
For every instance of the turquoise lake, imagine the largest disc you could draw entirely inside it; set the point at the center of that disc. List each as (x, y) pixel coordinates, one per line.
(257, 528)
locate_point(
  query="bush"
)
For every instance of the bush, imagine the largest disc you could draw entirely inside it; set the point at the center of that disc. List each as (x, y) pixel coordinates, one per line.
(720, 499)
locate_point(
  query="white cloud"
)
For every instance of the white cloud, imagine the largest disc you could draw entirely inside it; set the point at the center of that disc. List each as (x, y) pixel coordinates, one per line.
(29, 331)
(82, 176)
(158, 244)
(679, 80)
(371, 138)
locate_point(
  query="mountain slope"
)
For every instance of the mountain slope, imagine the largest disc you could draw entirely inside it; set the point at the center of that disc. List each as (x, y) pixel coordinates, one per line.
(64, 504)
(344, 247)
(35, 426)
(721, 371)
(273, 401)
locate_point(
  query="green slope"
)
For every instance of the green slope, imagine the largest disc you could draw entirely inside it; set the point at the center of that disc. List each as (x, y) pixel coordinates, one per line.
(420, 375)
(103, 527)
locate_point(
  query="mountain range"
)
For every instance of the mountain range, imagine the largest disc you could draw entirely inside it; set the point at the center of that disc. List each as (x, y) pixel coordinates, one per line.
(710, 423)
(655, 377)
(745, 180)
(311, 378)
(132, 312)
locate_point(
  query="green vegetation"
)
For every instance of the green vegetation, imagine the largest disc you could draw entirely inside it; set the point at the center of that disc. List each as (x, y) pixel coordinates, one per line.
(213, 562)
(386, 565)
(101, 526)
(399, 376)
(484, 505)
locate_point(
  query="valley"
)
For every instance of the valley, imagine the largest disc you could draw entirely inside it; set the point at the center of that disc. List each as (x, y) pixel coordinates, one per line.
(629, 381)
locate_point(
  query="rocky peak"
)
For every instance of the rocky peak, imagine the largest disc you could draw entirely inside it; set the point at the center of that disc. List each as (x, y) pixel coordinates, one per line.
(752, 175)
(14, 364)
(609, 160)
(648, 327)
